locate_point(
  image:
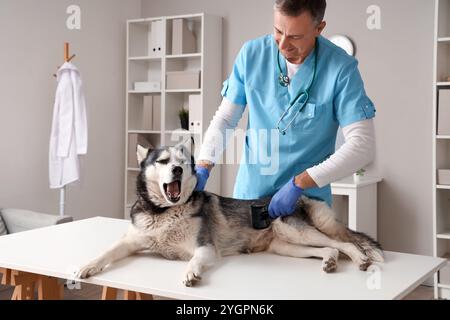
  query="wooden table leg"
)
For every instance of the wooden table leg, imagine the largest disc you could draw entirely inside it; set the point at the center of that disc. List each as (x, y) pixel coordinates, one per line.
(129, 295)
(6, 276)
(49, 288)
(24, 283)
(132, 295)
(143, 296)
(109, 293)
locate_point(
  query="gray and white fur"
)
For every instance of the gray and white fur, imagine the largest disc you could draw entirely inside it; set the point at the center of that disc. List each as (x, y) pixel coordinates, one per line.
(172, 220)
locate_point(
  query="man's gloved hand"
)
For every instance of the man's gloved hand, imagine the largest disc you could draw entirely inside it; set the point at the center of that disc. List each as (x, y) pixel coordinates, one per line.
(283, 202)
(202, 174)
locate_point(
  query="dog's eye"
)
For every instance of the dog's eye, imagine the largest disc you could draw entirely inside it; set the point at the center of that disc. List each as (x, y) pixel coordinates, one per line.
(163, 161)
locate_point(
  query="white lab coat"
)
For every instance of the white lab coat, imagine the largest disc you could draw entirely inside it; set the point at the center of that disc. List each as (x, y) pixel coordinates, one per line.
(68, 137)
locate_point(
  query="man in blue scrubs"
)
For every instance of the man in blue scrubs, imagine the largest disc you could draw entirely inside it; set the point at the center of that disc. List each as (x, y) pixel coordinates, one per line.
(325, 91)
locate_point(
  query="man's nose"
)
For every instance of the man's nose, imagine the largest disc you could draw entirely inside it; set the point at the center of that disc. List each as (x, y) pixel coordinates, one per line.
(177, 171)
(284, 43)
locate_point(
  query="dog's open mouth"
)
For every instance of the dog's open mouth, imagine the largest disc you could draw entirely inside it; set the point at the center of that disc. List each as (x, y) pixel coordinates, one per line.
(172, 190)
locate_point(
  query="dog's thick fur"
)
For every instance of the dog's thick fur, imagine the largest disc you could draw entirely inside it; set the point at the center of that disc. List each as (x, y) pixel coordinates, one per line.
(201, 227)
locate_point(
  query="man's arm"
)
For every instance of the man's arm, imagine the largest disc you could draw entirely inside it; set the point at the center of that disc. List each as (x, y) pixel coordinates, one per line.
(226, 117)
(357, 151)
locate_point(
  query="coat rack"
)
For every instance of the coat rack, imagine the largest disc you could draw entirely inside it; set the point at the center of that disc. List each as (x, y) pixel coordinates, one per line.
(66, 55)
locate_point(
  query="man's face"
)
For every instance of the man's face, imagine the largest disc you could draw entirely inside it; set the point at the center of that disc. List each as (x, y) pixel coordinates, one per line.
(296, 36)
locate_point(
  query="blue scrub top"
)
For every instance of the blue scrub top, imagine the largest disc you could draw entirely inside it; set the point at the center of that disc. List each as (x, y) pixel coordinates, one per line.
(337, 98)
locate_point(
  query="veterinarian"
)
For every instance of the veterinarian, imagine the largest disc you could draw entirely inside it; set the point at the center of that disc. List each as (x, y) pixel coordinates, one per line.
(301, 84)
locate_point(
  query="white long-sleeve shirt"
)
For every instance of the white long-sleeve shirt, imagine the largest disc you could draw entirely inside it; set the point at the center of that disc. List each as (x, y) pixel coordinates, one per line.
(357, 151)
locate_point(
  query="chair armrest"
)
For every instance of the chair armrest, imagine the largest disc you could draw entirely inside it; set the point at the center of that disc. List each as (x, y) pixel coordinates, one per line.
(17, 220)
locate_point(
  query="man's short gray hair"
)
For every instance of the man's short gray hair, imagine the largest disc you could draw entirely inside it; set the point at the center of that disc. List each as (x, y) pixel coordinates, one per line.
(295, 8)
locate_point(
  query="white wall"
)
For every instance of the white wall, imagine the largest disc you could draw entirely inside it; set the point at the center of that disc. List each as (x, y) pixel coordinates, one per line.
(396, 64)
(32, 34)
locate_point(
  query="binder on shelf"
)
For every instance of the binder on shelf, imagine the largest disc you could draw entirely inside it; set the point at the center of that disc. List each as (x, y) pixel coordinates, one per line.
(147, 113)
(155, 39)
(156, 112)
(183, 39)
(195, 113)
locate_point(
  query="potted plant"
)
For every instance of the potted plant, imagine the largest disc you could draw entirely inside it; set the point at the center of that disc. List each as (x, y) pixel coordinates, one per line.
(358, 174)
(183, 114)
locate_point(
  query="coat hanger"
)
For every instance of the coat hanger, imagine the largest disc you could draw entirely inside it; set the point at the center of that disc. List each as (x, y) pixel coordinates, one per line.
(66, 55)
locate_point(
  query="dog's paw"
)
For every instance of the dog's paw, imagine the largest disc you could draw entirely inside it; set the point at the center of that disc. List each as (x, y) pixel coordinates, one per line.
(88, 271)
(365, 264)
(329, 263)
(191, 279)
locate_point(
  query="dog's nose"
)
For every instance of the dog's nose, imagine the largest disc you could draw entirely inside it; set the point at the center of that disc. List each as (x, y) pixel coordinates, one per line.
(177, 171)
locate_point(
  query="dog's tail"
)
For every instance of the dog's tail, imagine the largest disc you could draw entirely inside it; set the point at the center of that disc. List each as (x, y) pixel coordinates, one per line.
(322, 217)
(364, 243)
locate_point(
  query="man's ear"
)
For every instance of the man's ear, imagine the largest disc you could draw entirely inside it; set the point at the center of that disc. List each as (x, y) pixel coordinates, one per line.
(320, 27)
(141, 153)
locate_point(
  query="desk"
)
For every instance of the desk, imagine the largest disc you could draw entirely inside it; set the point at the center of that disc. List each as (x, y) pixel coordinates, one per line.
(362, 203)
(57, 250)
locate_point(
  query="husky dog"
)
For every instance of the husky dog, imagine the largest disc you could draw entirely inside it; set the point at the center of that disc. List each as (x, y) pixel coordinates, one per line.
(172, 220)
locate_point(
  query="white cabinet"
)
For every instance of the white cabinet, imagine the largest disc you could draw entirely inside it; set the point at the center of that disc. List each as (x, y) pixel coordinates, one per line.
(195, 76)
(441, 145)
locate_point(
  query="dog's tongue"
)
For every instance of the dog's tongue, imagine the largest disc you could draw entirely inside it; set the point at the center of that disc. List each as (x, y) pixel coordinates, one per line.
(173, 190)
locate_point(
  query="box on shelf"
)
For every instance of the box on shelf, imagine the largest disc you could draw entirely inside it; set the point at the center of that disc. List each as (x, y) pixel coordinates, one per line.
(133, 140)
(183, 79)
(444, 112)
(183, 39)
(195, 114)
(147, 113)
(443, 177)
(149, 86)
(156, 112)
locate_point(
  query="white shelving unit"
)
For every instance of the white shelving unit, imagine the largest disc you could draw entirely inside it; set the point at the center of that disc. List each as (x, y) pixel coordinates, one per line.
(441, 148)
(150, 60)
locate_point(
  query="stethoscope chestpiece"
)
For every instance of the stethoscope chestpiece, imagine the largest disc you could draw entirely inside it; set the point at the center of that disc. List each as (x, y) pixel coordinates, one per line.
(283, 132)
(284, 80)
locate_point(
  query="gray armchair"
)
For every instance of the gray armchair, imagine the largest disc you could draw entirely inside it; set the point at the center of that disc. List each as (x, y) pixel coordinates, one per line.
(17, 220)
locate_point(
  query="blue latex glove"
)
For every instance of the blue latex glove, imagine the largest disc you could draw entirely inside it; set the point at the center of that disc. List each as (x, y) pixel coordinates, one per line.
(202, 176)
(283, 202)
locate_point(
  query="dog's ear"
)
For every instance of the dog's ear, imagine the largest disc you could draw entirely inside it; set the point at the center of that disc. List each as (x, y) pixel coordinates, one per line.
(187, 145)
(141, 153)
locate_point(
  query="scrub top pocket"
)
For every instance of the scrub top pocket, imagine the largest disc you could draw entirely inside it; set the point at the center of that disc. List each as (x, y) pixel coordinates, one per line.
(308, 119)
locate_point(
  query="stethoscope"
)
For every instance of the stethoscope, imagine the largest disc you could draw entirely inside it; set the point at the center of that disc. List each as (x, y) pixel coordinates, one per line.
(284, 82)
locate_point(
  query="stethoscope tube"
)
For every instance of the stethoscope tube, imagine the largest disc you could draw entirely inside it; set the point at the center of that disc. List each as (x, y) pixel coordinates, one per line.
(284, 81)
